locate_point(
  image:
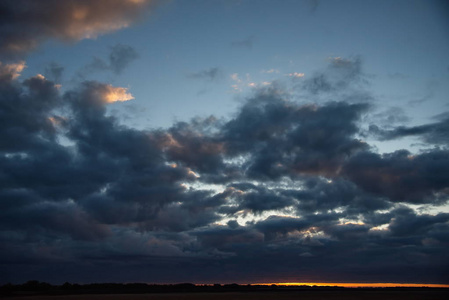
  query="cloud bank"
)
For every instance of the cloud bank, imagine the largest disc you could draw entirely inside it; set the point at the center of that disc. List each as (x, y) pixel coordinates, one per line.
(282, 190)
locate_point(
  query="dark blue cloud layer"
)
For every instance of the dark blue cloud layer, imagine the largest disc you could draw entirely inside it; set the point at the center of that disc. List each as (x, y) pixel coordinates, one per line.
(84, 198)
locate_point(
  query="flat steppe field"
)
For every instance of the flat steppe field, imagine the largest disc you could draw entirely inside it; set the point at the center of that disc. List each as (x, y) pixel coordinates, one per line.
(284, 295)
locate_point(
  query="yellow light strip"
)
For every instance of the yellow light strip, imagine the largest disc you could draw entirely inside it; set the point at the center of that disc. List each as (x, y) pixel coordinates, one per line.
(357, 285)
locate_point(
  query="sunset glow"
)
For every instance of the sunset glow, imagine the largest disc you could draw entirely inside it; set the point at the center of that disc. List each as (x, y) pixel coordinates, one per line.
(171, 142)
(359, 285)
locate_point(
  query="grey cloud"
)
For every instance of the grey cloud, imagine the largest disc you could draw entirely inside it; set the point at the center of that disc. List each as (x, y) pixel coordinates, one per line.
(107, 161)
(225, 239)
(125, 200)
(245, 43)
(119, 58)
(96, 65)
(64, 218)
(407, 223)
(208, 74)
(433, 133)
(400, 176)
(197, 209)
(313, 5)
(347, 232)
(340, 75)
(320, 195)
(389, 117)
(263, 200)
(285, 138)
(275, 227)
(26, 113)
(54, 72)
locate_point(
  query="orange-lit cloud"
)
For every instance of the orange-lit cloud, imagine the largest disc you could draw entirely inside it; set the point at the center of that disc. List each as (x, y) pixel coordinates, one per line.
(112, 94)
(65, 20)
(11, 71)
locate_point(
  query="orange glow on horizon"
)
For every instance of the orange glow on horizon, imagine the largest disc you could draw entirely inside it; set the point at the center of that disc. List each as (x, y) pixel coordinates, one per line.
(359, 285)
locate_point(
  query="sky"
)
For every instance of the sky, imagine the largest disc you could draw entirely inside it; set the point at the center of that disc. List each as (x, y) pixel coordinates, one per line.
(224, 141)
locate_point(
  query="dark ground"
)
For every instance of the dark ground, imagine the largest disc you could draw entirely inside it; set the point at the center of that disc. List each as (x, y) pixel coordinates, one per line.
(35, 290)
(428, 294)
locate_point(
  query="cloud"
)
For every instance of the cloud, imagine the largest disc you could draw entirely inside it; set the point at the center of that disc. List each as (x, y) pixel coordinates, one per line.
(285, 138)
(313, 5)
(100, 94)
(401, 176)
(263, 199)
(245, 43)
(340, 75)
(296, 75)
(389, 117)
(433, 133)
(208, 74)
(319, 195)
(26, 24)
(270, 71)
(121, 56)
(115, 94)
(11, 71)
(54, 72)
(25, 109)
(280, 180)
(118, 60)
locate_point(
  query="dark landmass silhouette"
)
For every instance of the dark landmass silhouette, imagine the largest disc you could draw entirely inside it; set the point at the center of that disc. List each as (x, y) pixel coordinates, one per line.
(39, 290)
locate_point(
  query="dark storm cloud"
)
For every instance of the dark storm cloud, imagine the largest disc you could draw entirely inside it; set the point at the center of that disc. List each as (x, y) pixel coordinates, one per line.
(279, 191)
(111, 174)
(433, 133)
(26, 112)
(25, 23)
(183, 144)
(285, 138)
(280, 181)
(401, 176)
(321, 195)
(194, 209)
(54, 218)
(262, 200)
(208, 74)
(226, 239)
(275, 226)
(407, 223)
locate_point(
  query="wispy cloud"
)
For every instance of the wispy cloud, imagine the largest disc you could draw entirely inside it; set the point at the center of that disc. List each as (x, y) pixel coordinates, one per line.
(270, 71)
(245, 43)
(296, 75)
(208, 74)
(119, 58)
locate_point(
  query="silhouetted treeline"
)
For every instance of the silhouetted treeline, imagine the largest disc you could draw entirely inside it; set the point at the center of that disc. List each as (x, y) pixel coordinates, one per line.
(35, 287)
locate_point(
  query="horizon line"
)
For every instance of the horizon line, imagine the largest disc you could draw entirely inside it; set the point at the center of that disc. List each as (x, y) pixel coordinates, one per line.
(358, 284)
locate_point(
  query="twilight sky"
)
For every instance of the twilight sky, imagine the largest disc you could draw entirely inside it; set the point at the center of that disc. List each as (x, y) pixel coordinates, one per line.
(224, 141)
